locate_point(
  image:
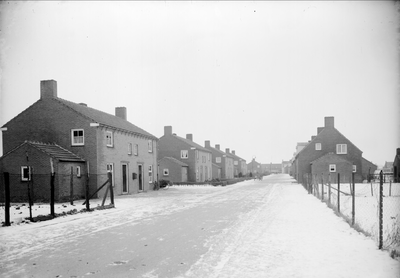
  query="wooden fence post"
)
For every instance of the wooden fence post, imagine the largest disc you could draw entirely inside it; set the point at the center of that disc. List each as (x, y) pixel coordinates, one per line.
(380, 209)
(353, 194)
(87, 189)
(52, 176)
(322, 189)
(8, 199)
(338, 193)
(30, 201)
(71, 187)
(111, 188)
(329, 189)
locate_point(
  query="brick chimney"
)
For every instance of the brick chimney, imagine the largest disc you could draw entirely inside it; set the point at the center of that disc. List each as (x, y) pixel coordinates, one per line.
(398, 151)
(189, 137)
(207, 144)
(329, 122)
(48, 89)
(217, 146)
(319, 129)
(120, 112)
(227, 150)
(233, 152)
(168, 130)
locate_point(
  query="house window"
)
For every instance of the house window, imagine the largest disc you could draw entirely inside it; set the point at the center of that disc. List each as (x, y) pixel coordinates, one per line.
(317, 146)
(150, 145)
(78, 171)
(130, 148)
(184, 154)
(354, 168)
(25, 173)
(341, 148)
(218, 159)
(332, 168)
(109, 139)
(136, 149)
(77, 137)
(150, 173)
(166, 172)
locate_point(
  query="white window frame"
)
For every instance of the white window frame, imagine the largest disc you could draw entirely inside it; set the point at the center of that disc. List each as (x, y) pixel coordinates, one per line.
(73, 137)
(341, 148)
(130, 148)
(218, 159)
(165, 172)
(184, 154)
(78, 171)
(318, 146)
(23, 177)
(332, 168)
(354, 168)
(109, 139)
(150, 146)
(150, 173)
(136, 149)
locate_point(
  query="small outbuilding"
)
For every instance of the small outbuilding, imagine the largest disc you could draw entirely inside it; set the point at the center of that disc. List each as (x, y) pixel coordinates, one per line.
(173, 170)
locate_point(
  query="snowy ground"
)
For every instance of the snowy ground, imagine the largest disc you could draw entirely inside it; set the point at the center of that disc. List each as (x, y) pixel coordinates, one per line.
(269, 228)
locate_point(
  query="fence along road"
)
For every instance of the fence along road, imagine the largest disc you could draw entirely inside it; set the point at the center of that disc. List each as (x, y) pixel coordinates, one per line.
(244, 230)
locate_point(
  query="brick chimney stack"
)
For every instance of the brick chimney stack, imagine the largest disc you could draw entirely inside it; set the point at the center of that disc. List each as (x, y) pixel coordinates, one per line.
(207, 144)
(120, 112)
(217, 146)
(227, 150)
(168, 130)
(233, 152)
(48, 89)
(189, 137)
(329, 122)
(319, 129)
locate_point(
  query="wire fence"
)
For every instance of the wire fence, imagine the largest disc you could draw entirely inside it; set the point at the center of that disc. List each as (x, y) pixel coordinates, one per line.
(50, 188)
(372, 208)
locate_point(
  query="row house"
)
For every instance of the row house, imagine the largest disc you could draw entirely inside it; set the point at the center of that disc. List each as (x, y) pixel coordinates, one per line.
(328, 152)
(224, 159)
(197, 158)
(107, 143)
(272, 168)
(239, 164)
(254, 167)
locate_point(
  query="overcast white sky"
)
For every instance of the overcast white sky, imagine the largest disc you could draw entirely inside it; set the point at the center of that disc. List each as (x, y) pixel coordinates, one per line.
(255, 77)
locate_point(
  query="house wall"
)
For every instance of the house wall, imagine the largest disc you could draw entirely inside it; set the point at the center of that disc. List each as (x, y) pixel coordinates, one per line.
(229, 168)
(64, 180)
(367, 168)
(175, 171)
(118, 155)
(321, 168)
(216, 172)
(328, 138)
(203, 166)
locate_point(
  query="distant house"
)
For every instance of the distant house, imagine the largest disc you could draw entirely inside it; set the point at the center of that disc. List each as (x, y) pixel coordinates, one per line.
(173, 169)
(185, 150)
(271, 168)
(286, 167)
(223, 159)
(388, 168)
(108, 143)
(396, 166)
(254, 168)
(240, 166)
(328, 140)
(30, 163)
(335, 164)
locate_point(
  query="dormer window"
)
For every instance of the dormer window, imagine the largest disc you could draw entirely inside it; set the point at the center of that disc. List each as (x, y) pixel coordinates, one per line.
(317, 146)
(77, 137)
(341, 149)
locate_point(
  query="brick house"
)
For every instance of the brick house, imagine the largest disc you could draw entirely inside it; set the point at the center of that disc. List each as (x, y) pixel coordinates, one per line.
(368, 168)
(396, 166)
(223, 159)
(173, 169)
(335, 164)
(271, 168)
(30, 162)
(254, 167)
(240, 166)
(106, 142)
(185, 150)
(328, 140)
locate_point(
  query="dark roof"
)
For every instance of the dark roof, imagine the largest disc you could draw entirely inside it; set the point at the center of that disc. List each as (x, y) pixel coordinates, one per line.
(221, 152)
(53, 150)
(191, 143)
(174, 160)
(105, 118)
(330, 154)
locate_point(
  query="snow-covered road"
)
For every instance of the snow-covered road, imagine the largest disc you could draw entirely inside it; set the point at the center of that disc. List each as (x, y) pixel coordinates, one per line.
(269, 228)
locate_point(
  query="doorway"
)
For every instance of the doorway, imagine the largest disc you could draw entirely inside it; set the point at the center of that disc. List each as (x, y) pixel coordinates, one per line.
(140, 178)
(125, 185)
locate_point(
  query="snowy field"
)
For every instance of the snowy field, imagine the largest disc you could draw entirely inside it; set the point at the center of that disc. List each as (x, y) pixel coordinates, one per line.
(278, 231)
(367, 209)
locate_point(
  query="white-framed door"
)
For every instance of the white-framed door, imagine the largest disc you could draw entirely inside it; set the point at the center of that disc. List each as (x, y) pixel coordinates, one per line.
(125, 179)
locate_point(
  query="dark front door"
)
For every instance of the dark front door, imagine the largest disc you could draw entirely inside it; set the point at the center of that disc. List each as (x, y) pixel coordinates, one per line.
(124, 178)
(140, 173)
